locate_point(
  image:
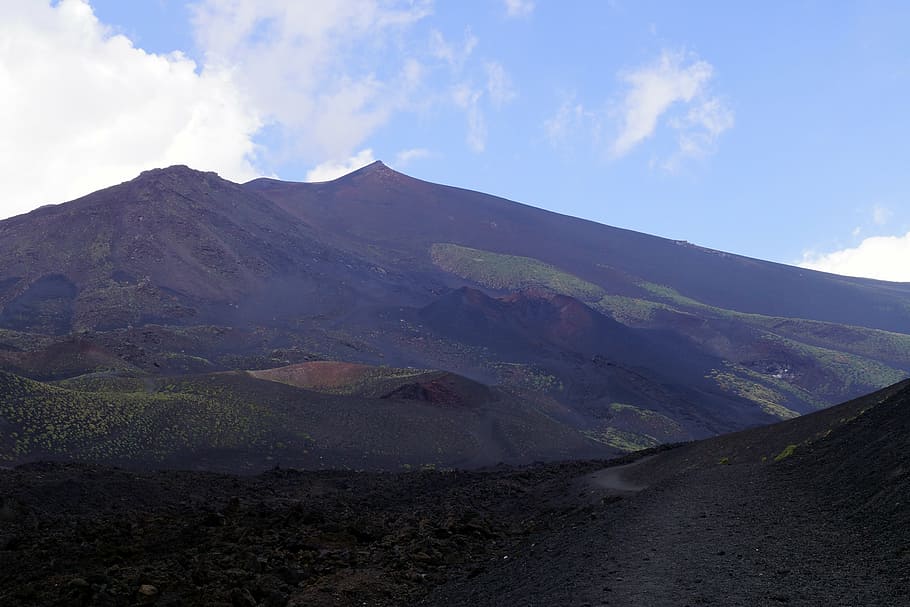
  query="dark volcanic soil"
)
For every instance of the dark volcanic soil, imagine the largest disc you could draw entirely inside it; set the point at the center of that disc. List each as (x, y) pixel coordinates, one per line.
(704, 540)
(826, 524)
(79, 535)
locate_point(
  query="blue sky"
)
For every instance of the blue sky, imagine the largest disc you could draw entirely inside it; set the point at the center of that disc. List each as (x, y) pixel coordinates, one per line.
(778, 131)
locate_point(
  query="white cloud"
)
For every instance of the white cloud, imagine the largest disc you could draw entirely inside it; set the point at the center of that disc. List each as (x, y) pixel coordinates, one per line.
(519, 8)
(468, 99)
(703, 124)
(82, 108)
(499, 85)
(468, 95)
(328, 73)
(881, 257)
(881, 214)
(673, 91)
(477, 129)
(675, 78)
(451, 54)
(327, 171)
(570, 119)
(406, 157)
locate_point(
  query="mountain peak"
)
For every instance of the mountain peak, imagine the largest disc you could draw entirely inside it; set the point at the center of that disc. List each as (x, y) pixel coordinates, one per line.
(176, 172)
(178, 179)
(376, 165)
(377, 170)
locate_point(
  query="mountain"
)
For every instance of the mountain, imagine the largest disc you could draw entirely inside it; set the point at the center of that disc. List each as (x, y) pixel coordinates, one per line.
(618, 338)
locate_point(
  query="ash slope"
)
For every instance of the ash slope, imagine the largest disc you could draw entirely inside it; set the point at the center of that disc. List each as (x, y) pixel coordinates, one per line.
(745, 519)
(823, 525)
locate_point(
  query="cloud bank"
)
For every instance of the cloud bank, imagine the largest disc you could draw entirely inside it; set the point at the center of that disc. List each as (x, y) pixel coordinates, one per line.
(82, 108)
(275, 84)
(328, 73)
(881, 257)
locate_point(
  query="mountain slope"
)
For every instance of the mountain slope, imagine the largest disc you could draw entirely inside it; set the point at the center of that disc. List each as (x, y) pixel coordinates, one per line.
(822, 523)
(633, 339)
(238, 423)
(601, 361)
(173, 246)
(790, 339)
(382, 207)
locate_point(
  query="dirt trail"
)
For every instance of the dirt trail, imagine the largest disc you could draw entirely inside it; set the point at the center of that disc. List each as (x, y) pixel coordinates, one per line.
(611, 482)
(614, 478)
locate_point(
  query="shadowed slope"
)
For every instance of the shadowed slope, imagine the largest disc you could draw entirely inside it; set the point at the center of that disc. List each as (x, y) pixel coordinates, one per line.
(380, 206)
(173, 246)
(603, 361)
(824, 522)
(236, 423)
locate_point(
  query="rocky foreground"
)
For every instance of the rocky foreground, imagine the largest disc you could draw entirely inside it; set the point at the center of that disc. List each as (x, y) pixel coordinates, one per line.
(79, 535)
(813, 511)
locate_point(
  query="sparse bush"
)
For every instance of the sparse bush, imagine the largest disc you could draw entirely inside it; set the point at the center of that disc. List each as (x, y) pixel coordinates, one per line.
(787, 452)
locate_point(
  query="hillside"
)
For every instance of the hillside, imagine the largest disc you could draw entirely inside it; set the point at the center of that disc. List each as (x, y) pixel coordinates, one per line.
(634, 340)
(235, 422)
(819, 521)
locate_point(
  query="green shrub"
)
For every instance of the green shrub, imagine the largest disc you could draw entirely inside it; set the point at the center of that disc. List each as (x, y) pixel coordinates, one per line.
(787, 452)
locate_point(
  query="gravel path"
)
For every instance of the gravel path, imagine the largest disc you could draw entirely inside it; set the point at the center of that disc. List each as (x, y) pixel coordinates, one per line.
(721, 522)
(614, 481)
(730, 535)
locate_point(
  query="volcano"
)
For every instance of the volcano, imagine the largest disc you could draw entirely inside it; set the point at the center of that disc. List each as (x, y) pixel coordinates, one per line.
(621, 339)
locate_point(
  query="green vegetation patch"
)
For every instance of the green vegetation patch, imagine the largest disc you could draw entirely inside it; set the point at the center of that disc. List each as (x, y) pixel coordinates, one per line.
(40, 420)
(623, 439)
(103, 382)
(853, 355)
(820, 340)
(862, 341)
(525, 377)
(500, 271)
(781, 386)
(785, 453)
(767, 398)
(850, 370)
(646, 422)
(343, 379)
(22, 340)
(629, 310)
(672, 295)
